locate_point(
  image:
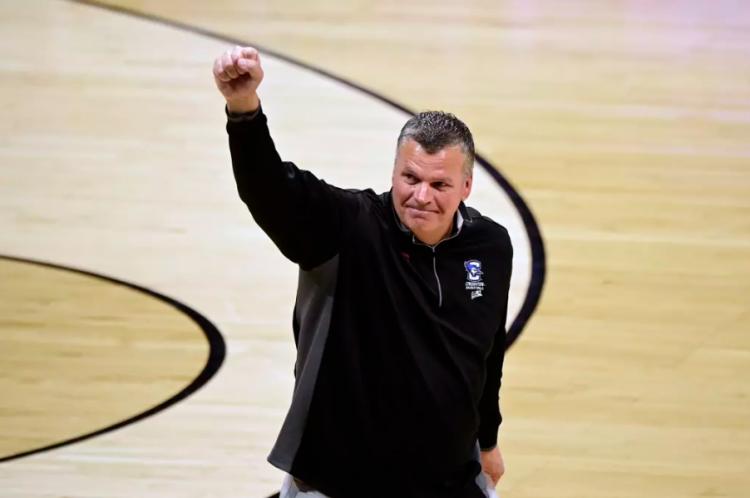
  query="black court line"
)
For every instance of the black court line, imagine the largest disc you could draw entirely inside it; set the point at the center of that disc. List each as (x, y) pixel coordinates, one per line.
(536, 243)
(217, 352)
(538, 258)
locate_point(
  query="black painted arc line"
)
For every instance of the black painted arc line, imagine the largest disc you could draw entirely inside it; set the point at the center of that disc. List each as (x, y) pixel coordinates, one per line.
(536, 243)
(538, 257)
(217, 352)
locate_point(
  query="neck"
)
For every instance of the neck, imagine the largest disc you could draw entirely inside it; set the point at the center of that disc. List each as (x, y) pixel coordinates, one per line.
(431, 239)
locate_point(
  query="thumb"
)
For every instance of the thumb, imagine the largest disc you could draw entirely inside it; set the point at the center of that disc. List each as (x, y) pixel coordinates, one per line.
(251, 67)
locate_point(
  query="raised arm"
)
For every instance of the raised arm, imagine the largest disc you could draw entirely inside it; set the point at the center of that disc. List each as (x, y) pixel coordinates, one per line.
(304, 216)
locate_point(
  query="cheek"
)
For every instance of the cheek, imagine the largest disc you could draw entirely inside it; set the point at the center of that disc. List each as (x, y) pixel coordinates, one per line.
(401, 192)
(446, 202)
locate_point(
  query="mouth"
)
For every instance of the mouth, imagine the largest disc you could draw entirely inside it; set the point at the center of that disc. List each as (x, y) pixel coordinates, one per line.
(418, 213)
(419, 210)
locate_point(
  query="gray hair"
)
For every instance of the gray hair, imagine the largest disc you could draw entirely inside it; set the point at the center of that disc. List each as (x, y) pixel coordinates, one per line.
(436, 130)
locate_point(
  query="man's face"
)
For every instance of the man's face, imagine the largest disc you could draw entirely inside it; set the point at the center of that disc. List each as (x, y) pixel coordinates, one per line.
(427, 189)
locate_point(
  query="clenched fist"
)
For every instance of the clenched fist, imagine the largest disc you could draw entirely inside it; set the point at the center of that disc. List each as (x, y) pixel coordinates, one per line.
(237, 73)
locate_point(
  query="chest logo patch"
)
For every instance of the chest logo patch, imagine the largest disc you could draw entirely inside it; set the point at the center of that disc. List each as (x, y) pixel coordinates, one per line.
(474, 283)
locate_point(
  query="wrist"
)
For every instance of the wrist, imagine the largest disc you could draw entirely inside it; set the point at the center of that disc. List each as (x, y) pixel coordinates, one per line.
(243, 105)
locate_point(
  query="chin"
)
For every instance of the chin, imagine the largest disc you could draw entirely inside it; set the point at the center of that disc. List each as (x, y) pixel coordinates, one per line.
(415, 222)
(420, 229)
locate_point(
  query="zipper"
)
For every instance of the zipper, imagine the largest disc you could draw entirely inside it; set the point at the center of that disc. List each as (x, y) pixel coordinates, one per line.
(434, 262)
(437, 278)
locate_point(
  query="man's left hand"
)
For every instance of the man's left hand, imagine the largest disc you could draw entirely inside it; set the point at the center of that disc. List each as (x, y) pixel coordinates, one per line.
(493, 464)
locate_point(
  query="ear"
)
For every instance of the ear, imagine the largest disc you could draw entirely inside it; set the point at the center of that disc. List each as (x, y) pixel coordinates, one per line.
(468, 181)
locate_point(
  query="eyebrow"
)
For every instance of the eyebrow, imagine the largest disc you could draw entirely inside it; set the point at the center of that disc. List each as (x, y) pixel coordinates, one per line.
(409, 171)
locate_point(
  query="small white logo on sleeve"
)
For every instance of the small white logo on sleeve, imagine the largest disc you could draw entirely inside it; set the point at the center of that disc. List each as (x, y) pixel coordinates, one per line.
(474, 274)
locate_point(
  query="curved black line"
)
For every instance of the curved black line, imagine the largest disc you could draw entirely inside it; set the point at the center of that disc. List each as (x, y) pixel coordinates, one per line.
(536, 243)
(538, 256)
(538, 261)
(217, 352)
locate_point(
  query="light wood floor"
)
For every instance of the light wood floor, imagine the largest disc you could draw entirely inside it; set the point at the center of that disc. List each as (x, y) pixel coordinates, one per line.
(625, 126)
(80, 354)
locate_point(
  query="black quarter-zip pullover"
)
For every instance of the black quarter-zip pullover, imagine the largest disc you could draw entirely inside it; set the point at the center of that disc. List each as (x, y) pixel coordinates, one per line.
(400, 345)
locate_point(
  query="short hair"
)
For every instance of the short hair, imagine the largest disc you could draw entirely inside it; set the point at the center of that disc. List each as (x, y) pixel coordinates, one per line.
(436, 130)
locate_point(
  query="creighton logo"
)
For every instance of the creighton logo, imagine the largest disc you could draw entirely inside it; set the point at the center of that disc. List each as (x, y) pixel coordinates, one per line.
(474, 274)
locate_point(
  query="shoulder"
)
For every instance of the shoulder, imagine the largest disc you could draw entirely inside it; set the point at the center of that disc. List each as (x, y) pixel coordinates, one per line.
(363, 198)
(357, 202)
(353, 195)
(487, 228)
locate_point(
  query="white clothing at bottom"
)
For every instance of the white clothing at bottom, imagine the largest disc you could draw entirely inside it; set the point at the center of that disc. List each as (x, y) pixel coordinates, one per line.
(290, 490)
(487, 484)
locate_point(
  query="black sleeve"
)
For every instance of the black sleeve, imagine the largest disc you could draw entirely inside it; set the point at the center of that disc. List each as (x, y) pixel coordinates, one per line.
(489, 404)
(304, 216)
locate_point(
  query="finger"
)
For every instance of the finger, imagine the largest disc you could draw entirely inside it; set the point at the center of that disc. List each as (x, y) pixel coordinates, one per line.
(247, 66)
(491, 479)
(254, 70)
(237, 60)
(250, 53)
(219, 74)
(497, 476)
(236, 54)
(217, 67)
(228, 65)
(224, 78)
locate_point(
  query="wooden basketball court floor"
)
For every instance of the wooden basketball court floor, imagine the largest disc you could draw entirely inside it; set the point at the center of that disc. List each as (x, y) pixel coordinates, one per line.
(163, 366)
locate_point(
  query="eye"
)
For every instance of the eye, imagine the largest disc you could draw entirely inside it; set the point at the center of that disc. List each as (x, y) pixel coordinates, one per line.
(410, 178)
(439, 185)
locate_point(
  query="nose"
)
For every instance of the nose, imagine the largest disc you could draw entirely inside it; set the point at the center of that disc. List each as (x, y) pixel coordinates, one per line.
(422, 194)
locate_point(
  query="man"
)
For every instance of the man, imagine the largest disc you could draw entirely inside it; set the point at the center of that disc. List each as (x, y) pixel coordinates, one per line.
(400, 313)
